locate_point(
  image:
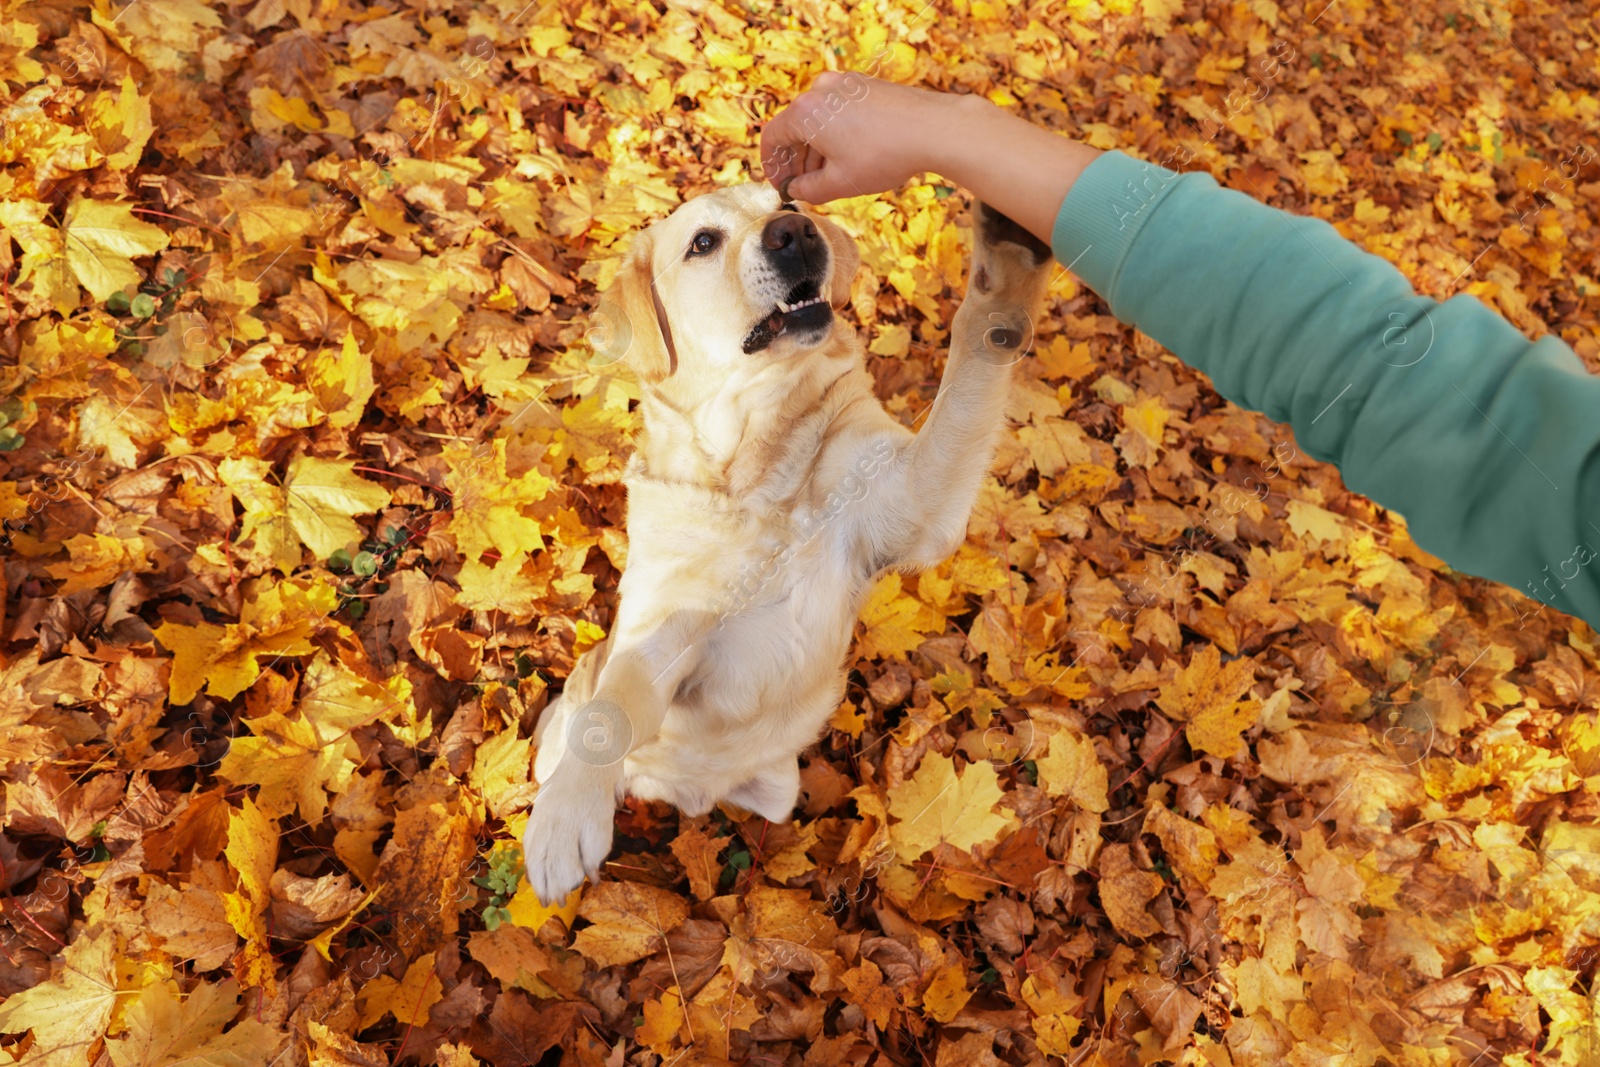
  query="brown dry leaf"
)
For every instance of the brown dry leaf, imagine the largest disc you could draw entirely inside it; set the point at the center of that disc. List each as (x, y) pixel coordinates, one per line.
(698, 854)
(866, 989)
(1126, 892)
(1171, 1009)
(191, 924)
(513, 955)
(420, 869)
(303, 907)
(628, 921)
(50, 802)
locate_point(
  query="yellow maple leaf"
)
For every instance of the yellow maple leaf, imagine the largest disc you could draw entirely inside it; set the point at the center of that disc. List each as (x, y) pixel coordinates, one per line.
(165, 36)
(893, 340)
(1054, 444)
(265, 528)
(867, 990)
(1217, 730)
(848, 719)
(252, 850)
(1324, 174)
(937, 806)
(595, 433)
(1060, 358)
(70, 1012)
(291, 110)
(121, 123)
(321, 495)
(526, 910)
(487, 503)
(408, 1000)
(1316, 524)
(1260, 985)
(663, 1019)
(43, 265)
(1055, 1032)
(298, 761)
(1205, 685)
(1205, 694)
(342, 381)
(276, 620)
(500, 772)
(1160, 13)
(264, 220)
(1148, 418)
(100, 240)
(98, 560)
(165, 1027)
(1071, 769)
(1215, 67)
(947, 994)
(895, 622)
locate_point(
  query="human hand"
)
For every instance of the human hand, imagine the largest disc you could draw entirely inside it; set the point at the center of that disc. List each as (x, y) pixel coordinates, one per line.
(853, 135)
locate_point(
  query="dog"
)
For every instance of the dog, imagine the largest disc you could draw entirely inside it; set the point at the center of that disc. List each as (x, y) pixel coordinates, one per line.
(768, 490)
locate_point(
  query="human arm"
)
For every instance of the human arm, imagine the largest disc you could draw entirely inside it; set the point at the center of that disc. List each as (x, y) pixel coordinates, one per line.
(820, 142)
(1487, 443)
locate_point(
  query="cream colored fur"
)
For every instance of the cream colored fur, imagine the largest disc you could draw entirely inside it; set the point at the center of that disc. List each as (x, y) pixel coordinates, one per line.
(767, 493)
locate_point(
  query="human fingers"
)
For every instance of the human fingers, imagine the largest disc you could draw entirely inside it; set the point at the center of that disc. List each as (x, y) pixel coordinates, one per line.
(783, 147)
(823, 181)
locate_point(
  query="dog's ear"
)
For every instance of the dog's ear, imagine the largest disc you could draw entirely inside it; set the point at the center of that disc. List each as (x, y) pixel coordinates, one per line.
(630, 323)
(846, 258)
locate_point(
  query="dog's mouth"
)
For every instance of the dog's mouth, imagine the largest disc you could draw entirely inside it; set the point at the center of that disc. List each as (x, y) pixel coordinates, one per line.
(803, 311)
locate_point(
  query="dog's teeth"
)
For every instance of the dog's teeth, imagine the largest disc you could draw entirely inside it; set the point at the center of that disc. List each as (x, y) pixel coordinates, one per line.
(785, 308)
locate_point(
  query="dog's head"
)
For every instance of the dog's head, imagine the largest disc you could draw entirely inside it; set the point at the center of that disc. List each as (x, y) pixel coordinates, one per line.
(732, 275)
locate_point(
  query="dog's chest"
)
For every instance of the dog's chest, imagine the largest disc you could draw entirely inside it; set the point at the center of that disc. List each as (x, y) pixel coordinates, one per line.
(780, 587)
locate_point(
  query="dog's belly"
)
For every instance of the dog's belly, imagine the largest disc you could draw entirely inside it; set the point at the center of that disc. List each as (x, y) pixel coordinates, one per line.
(769, 676)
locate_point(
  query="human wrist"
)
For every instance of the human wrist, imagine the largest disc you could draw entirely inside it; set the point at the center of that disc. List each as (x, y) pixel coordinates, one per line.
(1021, 170)
(963, 123)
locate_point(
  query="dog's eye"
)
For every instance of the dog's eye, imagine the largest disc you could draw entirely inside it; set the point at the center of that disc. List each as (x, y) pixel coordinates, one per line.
(704, 242)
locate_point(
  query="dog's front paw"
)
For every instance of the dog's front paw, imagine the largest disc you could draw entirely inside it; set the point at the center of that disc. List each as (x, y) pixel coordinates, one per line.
(568, 835)
(995, 228)
(1005, 289)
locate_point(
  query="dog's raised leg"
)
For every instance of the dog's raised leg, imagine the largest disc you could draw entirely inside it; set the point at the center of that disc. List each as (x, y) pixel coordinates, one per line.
(993, 329)
(581, 749)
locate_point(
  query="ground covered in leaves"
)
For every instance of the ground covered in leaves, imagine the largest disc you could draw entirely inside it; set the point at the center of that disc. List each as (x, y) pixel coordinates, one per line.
(311, 499)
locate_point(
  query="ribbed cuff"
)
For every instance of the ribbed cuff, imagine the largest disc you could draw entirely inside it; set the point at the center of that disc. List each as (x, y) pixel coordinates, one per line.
(1102, 214)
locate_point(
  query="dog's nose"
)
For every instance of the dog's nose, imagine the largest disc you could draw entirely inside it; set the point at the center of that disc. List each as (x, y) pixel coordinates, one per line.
(792, 239)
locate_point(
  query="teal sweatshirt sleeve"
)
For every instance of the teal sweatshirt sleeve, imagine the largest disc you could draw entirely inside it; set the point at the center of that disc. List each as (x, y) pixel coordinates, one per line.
(1487, 443)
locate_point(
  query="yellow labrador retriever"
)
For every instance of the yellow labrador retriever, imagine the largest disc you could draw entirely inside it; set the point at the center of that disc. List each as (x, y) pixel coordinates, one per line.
(769, 489)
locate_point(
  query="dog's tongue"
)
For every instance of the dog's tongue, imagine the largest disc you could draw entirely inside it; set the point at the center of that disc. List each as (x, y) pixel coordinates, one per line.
(774, 322)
